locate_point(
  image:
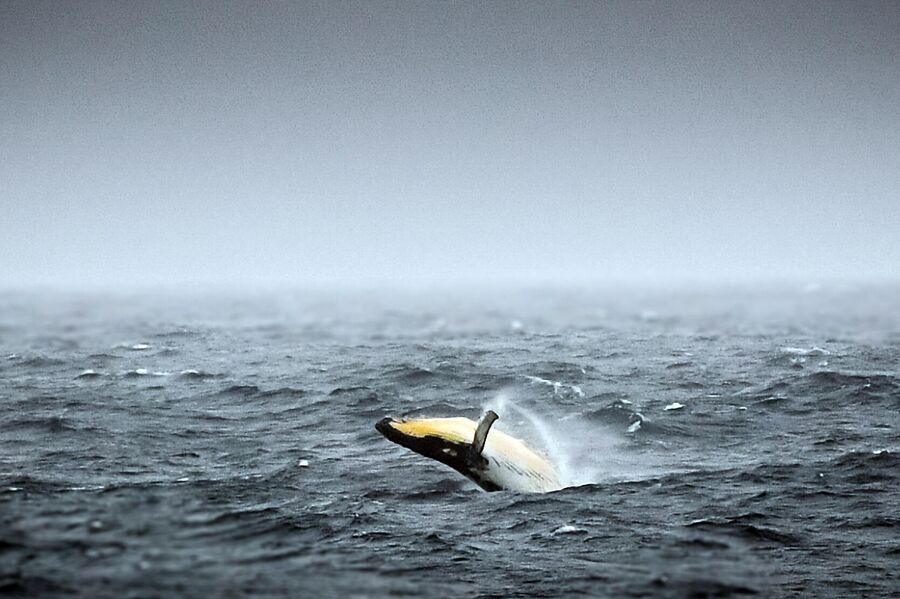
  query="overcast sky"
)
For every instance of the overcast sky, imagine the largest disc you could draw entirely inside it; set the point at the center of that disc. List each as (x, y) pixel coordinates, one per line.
(316, 143)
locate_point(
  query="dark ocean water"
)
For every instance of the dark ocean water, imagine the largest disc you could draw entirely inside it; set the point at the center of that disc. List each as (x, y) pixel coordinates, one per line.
(224, 445)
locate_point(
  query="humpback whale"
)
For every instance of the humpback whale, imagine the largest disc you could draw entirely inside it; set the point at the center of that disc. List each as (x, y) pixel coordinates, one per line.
(493, 462)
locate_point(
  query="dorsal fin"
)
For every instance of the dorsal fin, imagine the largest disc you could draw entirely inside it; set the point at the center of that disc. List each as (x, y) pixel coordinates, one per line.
(481, 431)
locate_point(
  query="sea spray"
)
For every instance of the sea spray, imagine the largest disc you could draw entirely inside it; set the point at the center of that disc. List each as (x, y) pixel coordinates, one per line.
(502, 404)
(583, 452)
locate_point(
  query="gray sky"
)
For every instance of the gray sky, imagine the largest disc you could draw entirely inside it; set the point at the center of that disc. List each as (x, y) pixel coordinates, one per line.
(296, 143)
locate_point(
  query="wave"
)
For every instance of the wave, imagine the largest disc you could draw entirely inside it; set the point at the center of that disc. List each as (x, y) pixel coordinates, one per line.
(618, 414)
(289, 392)
(860, 383)
(803, 392)
(868, 467)
(30, 484)
(142, 372)
(104, 357)
(198, 375)
(40, 362)
(357, 397)
(410, 374)
(50, 424)
(238, 390)
(737, 527)
(559, 388)
(800, 351)
(551, 370)
(679, 365)
(253, 392)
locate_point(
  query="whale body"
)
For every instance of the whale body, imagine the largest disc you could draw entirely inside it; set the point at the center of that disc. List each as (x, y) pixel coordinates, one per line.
(494, 461)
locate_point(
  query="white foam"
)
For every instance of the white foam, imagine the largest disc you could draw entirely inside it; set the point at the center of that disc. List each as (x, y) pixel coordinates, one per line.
(674, 406)
(537, 379)
(634, 426)
(567, 529)
(558, 386)
(800, 351)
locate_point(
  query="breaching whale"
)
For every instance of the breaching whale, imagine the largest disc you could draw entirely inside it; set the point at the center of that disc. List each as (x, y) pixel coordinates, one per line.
(494, 462)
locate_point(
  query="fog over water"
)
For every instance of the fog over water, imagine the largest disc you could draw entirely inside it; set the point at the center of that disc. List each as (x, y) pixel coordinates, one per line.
(412, 143)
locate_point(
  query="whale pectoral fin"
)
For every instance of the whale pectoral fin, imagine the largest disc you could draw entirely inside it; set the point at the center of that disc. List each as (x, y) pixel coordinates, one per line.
(481, 432)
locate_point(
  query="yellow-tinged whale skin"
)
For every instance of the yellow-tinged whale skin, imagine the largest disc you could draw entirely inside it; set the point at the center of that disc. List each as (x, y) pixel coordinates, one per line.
(490, 458)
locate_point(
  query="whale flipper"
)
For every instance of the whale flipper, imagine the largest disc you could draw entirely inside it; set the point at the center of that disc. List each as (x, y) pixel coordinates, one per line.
(481, 432)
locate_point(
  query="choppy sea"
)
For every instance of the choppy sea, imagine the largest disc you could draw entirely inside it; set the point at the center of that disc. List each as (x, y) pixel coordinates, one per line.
(717, 442)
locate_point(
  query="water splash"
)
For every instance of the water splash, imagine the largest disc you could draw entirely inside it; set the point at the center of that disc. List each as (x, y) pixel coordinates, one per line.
(582, 452)
(503, 404)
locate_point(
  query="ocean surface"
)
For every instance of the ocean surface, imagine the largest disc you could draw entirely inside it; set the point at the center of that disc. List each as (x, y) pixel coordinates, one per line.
(717, 442)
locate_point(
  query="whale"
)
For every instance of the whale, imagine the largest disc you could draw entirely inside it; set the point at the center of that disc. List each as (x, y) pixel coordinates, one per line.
(490, 458)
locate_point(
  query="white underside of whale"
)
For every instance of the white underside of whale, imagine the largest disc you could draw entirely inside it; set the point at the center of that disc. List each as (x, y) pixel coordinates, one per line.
(510, 463)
